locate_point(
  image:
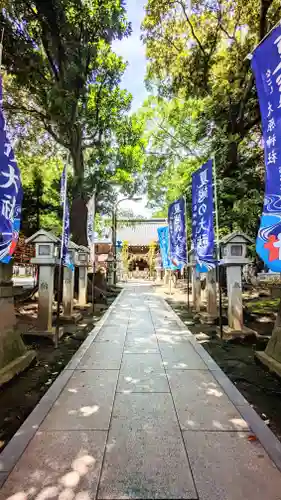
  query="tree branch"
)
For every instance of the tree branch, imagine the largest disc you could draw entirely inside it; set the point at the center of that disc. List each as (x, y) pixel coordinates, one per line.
(265, 4)
(191, 27)
(245, 97)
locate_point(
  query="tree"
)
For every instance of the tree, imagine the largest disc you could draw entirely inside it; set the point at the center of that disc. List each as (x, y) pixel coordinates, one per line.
(201, 55)
(60, 55)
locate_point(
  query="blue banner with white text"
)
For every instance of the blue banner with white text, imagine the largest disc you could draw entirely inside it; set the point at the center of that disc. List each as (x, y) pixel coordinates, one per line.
(177, 233)
(266, 65)
(66, 260)
(11, 193)
(163, 239)
(203, 237)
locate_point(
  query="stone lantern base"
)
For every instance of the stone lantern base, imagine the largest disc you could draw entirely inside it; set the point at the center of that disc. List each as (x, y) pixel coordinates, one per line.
(230, 333)
(14, 357)
(207, 319)
(75, 317)
(20, 357)
(49, 334)
(272, 364)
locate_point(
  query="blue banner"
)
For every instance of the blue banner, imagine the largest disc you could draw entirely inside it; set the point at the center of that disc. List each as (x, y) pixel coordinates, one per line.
(163, 239)
(66, 260)
(266, 65)
(203, 237)
(11, 193)
(177, 233)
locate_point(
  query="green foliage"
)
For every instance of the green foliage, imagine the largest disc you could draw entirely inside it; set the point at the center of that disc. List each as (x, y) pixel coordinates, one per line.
(65, 76)
(41, 203)
(198, 64)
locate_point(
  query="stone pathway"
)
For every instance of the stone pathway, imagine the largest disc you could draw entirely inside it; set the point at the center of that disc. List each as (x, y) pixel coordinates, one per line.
(141, 412)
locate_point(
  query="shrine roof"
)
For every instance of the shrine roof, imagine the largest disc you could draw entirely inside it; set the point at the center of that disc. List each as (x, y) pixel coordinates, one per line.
(140, 232)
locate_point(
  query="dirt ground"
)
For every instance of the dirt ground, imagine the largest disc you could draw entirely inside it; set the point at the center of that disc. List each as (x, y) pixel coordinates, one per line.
(236, 358)
(20, 395)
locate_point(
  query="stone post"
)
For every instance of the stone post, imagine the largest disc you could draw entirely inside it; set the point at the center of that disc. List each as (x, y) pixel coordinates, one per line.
(166, 277)
(14, 357)
(82, 285)
(203, 282)
(212, 308)
(235, 303)
(82, 263)
(110, 269)
(68, 287)
(196, 287)
(68, 293)
(158, 274)
(45, 298)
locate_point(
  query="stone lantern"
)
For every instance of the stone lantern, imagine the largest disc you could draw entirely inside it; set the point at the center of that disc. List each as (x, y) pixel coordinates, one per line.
(234, 257)
(82, 263)
(46, 257)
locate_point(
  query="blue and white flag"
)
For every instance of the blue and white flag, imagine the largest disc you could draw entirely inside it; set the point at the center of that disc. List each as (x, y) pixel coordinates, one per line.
(203, 237)
(266, 65)
(163, 239)
(66, 260)
(11, 193)
(177, 233)
(91, 207)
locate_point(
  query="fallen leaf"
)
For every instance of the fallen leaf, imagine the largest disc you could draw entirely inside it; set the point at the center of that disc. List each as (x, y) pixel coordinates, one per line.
(252, 437)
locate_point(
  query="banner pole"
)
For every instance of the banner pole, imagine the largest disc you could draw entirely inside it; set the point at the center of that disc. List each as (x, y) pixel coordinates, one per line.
(94, 252)
(187, 266)
(59, 292)
(217, 244)
(1, 49)
(250, 55)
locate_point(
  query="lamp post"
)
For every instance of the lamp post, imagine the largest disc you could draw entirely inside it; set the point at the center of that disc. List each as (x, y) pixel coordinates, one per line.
(114, 229)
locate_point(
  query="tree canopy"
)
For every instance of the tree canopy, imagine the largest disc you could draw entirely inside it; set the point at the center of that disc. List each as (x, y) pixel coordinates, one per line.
(198, 66)
(66, 76)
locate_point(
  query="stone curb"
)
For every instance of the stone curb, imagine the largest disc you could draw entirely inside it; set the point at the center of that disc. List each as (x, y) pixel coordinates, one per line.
(15, 448)
(268, 440)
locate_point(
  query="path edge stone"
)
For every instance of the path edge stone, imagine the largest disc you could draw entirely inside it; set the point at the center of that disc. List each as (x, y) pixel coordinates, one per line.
(19, 442)
(266, 437)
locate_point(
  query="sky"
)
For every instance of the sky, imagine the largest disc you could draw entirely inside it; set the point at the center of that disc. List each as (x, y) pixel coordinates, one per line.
(133, 51)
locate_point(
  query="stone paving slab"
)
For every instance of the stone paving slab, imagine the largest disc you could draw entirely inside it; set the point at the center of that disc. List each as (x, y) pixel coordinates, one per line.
(201, 404)
(142, 373)
(131, 411)
(168, 432)
(85, 403)
(117, 338)
(137, 344)
(137, 336)
(181, 357)
(227, 466)
(145, 464)
(102, 356)
(58, 465)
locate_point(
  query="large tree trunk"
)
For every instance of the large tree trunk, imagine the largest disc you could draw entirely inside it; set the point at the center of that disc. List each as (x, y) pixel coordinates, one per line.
(78, 221)
(78, 218)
